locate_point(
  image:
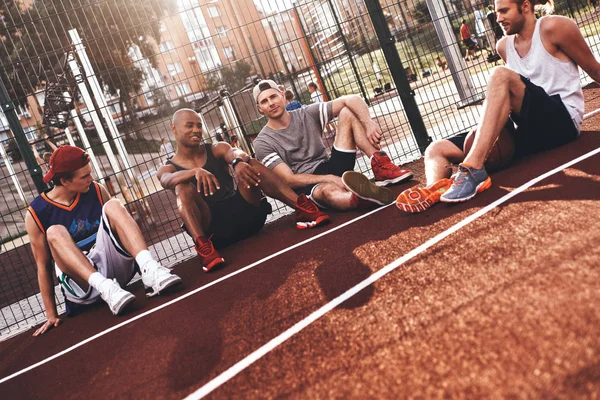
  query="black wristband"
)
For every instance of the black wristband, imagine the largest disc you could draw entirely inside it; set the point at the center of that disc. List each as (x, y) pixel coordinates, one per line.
(236, 161)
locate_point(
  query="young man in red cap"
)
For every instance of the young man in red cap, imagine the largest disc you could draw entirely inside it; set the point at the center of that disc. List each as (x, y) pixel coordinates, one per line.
(290, 145)
(214, 212)
(89, 239)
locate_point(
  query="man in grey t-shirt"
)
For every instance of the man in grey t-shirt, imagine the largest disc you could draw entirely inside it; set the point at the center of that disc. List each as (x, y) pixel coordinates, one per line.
(290, 145)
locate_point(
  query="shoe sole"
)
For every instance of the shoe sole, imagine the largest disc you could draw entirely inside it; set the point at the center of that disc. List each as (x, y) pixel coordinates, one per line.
(322, 220)
(362, 187)
(123, 304)
(417, 206)
(399, 179)
(480, 188)
(165, 285)
(214, 263)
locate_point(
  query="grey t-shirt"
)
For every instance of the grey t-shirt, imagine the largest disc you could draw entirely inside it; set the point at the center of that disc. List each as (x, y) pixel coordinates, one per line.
(299, 145)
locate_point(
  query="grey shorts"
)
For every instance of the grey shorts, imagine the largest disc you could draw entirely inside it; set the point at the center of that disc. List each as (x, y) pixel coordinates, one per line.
(107, 256)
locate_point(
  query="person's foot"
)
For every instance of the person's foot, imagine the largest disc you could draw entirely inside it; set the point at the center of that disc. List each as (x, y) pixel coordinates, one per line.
(386, 172)
(209, 256)
(157, 278)
(308, 214)
(468, 181)
(366, 190)
(418, 198)
(117, 298)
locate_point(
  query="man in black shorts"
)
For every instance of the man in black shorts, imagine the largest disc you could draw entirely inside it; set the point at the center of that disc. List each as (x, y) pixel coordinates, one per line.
(539, 91)
(214, 212)
(290, 144)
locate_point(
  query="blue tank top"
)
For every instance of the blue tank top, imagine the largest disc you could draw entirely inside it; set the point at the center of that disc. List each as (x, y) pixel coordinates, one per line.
(81, 218)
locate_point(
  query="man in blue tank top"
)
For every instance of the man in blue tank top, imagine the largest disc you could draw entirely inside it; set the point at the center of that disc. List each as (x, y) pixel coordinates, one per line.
(538, 92)
(89, 240)
(216, 213)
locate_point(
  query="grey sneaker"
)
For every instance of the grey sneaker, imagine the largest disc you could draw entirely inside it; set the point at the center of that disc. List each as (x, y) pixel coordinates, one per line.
(157, 278)
(116, 298)
(364, 189)
(467, 183)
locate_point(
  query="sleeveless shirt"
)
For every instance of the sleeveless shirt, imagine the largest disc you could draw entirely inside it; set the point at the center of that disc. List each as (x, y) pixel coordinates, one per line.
(220, 169)
(81, 218)
(553, 75)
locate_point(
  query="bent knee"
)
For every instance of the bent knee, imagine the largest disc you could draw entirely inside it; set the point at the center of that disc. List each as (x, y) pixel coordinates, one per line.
(503, 75)
(346, 115)
(185, 191)
(441, 148)
(56, 233)
(324, 191)
(114, 208)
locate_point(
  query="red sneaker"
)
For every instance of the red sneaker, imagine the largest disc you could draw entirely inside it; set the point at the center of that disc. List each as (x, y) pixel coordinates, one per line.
(308, 214)
(386, 172)
(209, 256)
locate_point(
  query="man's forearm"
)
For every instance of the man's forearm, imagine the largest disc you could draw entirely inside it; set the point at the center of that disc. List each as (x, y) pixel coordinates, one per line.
(171, 180)
(236, 153)
(47, 291)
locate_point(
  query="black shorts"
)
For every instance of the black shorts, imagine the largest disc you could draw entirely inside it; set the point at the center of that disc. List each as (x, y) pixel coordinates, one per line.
(469, 43)
(459, 140)
(338, 163)
(234, 219)
(543, 123)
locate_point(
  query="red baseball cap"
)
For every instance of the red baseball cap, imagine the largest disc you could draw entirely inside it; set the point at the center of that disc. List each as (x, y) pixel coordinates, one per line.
(66, 159)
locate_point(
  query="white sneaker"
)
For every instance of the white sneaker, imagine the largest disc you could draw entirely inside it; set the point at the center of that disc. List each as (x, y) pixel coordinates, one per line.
(116, 298)
(157, 278)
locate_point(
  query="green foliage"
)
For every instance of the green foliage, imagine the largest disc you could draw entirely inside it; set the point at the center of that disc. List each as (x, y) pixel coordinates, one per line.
(422, 12)
(232, 78)
(35, 40)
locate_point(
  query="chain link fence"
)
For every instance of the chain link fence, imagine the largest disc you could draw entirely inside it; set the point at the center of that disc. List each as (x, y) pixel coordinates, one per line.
(106, 75)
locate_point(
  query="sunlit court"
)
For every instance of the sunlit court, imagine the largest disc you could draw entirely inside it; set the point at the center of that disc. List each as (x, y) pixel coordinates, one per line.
(458, 260)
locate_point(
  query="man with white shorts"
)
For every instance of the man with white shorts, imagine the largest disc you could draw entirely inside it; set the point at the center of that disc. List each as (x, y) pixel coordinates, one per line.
(89, 240)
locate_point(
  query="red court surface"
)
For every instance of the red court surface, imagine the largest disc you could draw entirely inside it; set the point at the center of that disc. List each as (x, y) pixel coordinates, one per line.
(506, 306)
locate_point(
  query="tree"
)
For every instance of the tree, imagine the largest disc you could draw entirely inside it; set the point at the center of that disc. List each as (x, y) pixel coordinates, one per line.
(232, 77)
(35, 39)
(422, 12)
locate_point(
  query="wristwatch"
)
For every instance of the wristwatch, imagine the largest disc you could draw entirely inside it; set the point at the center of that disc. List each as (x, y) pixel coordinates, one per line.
(236, 161)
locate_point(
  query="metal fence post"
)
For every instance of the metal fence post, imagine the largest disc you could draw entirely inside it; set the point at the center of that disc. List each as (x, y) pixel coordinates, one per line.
(8, 108)
(407, 95)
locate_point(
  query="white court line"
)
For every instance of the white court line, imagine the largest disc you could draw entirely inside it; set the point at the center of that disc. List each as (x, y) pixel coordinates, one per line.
(178, 299)
(275, 342)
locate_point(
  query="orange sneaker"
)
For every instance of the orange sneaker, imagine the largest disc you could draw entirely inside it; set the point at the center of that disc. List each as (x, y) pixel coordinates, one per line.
(418, 198)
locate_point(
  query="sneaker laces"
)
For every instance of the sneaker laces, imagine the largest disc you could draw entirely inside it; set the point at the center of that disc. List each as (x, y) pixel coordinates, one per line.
(307, 205)
(205, 249)
(461, 175)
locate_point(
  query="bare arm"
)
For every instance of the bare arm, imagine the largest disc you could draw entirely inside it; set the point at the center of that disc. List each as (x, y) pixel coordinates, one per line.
(105, 195)
(300, 180)
(43, 261)
(565, 35)
(206, 182)
(359, 108)
(169, 177)
(501, 48)
(222, 150)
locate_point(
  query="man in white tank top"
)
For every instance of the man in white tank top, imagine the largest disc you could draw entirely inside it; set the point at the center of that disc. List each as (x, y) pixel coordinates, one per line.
(539, 91)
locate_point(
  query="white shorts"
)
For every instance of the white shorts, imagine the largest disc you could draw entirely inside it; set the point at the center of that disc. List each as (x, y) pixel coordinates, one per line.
(108, 257)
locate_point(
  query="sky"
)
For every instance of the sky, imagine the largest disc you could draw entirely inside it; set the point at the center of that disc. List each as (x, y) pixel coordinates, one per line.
(273, 5)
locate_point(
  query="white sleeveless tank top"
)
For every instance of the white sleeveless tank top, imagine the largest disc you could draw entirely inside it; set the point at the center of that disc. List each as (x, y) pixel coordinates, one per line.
(553, 75)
